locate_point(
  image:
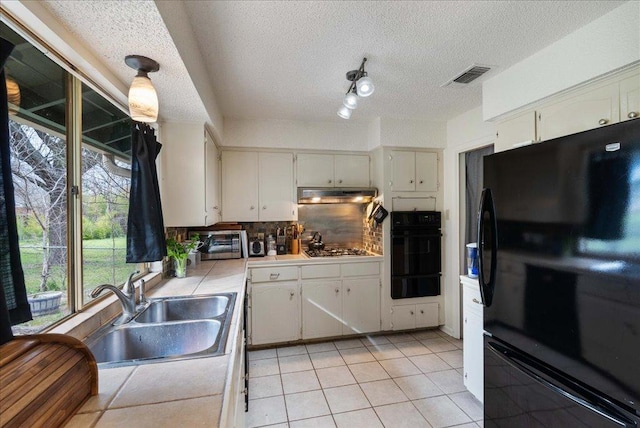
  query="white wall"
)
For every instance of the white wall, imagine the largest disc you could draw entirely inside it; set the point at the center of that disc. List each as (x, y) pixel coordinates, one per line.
(175, 18)
(291, 134)
(465, 132)
(600, 47)
(412, 133)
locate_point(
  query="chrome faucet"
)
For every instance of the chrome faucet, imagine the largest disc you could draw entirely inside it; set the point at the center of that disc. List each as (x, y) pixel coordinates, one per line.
(127, 298)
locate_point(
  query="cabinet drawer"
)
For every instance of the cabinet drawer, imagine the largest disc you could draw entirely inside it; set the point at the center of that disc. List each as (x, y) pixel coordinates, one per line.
(320, 271)
(360, 269)
(276, 273)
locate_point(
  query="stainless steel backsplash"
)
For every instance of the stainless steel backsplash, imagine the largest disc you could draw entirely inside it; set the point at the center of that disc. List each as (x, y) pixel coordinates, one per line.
(339, 224)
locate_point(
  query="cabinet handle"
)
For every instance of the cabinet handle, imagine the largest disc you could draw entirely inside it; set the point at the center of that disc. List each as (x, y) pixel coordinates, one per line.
(291, 294)
(422, 311)
(411, 312)
(465, 320)
(411, 181)
(465, 375)
(477, 301)
(337, 290)
(632, 114)
(264, 207)
(274, 276)
(330, 181)
(340, 181)
(216, 208)
(421, 181)
(348, 290)
(252, 207)
(603, 121)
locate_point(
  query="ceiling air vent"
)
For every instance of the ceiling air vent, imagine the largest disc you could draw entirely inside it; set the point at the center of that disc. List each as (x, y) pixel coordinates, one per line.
(469, 75)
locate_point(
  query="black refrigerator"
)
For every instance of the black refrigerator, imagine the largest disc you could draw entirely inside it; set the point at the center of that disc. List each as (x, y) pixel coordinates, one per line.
(559, 259)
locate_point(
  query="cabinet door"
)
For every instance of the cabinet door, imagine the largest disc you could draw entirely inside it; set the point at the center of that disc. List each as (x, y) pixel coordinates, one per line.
(276, 187)
(275, 313)
(426, 172)
(472, 355)
(315, 170)
(351, 170)
(403, 317)
(473, 352)
(584, 111)
(427, 315)
(361, 305)
(212, 182)
(630, 98)
(182, 177)
(403, 175)
(518, 130)
(240, 186)
(321, 309)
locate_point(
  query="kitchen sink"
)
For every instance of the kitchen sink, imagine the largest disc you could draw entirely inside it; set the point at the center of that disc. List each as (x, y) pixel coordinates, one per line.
(168, 329)
(184, 308)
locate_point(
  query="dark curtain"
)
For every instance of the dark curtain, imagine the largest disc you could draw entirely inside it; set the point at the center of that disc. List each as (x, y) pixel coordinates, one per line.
(474, 172)
(145, 230)
(14, 307)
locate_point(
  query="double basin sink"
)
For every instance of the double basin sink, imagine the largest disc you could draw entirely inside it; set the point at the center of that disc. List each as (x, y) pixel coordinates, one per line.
(169, 328)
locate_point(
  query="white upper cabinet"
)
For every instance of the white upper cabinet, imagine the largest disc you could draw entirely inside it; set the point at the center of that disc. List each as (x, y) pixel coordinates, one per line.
(276, 187)
(257, 186)
(630, 98)
(189, 176)
(212, 180)
(326, 170)
(239, 186)
(513, 132)
(414, 171)
(351, 170)
(586, 110)
(315, 170)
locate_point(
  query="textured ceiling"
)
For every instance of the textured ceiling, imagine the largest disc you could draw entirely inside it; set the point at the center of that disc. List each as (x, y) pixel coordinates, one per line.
(115, 29)
(288, 59)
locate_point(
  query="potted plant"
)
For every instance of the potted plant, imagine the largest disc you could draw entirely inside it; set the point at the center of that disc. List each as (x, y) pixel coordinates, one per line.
(179, 252)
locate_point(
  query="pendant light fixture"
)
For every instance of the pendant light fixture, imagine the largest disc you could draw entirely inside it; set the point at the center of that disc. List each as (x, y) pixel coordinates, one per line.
(143, 100)
(13, 94)
(361, 86)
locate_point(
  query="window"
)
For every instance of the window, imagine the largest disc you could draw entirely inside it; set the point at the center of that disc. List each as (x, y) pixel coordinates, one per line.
(42, 157)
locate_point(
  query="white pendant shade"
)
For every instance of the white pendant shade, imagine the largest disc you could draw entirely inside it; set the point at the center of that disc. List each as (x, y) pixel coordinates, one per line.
(350, 100)
(143, 100)
(344, 112)
(365, 87)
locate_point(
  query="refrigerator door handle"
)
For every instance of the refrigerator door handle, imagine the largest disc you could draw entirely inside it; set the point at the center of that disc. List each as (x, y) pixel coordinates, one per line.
(601, 406)
(487, 206)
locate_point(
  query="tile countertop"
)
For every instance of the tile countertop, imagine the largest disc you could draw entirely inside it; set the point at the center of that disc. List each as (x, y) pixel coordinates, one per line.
(177, 393)
(188, 392)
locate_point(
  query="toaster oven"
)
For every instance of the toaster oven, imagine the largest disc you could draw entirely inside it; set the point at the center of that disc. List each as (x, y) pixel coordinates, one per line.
(219, 244)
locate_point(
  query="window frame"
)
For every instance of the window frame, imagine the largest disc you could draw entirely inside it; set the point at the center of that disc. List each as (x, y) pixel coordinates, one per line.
(73, 118)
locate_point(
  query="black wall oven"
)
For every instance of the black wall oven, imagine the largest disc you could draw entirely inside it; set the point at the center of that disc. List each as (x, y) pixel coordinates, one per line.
(415, 254)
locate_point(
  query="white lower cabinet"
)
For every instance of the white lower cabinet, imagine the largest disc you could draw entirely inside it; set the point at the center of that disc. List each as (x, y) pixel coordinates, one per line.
(328, 300)
(275, 312)
(407, 317)
(361, 305)
(321, 309)
(473, 345)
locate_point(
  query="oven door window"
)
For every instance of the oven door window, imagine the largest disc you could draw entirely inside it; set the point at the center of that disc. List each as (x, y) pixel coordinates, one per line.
(415, 254)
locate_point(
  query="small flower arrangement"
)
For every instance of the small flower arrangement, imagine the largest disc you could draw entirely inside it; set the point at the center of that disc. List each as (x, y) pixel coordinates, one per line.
(179, 252)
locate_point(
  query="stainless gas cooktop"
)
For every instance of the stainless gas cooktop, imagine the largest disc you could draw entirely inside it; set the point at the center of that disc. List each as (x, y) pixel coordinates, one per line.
(337, 252)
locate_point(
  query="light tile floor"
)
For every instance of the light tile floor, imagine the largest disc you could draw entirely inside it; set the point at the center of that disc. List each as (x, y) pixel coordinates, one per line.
(401, 380)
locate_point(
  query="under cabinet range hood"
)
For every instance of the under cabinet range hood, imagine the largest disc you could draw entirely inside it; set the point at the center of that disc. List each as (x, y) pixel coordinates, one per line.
(330, 195)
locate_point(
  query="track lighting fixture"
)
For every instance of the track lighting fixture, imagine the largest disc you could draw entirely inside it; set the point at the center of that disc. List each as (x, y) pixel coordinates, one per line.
(143, 100)
(361, 86)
